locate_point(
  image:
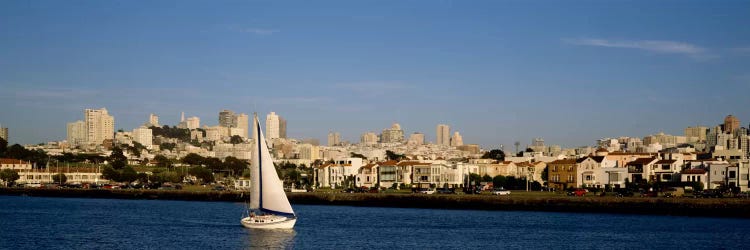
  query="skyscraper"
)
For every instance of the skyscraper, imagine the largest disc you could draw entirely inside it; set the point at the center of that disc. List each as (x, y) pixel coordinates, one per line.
(76, 133)
(696, 133)
(226, 118)
(443, 134)
(241, 121)
(368, 138)
(416, 139)
(193, 122)
(393, 134)
(153, 120)
(457, 140)
(731, 124)
(334, 138)
(100, 126)
(273, 126)
(144, 136)
(4, 133)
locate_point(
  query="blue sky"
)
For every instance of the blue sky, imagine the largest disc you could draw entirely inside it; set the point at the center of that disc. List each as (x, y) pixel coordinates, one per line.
(497, 71)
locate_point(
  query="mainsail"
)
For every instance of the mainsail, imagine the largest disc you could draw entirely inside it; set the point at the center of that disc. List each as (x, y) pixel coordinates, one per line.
(266, 190)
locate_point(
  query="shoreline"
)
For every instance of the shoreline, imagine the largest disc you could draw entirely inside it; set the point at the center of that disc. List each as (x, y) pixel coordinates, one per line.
(723, 207)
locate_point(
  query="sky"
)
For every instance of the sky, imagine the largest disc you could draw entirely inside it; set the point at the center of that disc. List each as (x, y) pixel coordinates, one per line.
(498, 72)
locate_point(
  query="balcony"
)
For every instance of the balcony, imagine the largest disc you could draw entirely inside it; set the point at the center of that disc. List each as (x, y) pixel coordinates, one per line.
(635, 169)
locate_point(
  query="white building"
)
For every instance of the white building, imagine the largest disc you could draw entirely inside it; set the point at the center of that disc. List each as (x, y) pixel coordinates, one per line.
(334, 139)
(457, 140)
(369, 138)
(144, 136)
(76, 133)
(241, 122)
(100, 126)
(153, 120)
(4, 133)
(416, 139)
(193, 122)
(273, 126)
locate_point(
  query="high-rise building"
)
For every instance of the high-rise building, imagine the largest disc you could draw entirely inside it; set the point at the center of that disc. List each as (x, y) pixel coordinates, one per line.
(76, 133)
(369, 138)
(443, 134)
(416, 139)
(393, 134)
(193, 123)
(334, 139)
(731, 124)
(4, 133)
(226, 118)
(144, 136)
(241, 122)
(282, 127)
(100, 126)
(696, 133)
(537, 145)
(457, 140)
(153, 120)
(273, 122)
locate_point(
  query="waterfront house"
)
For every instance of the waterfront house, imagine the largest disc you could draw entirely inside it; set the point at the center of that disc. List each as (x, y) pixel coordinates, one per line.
(14, 164)
(367, 175)
(639, 168)
(664, 171)
(561, 174)
(590, 172)
(695, 175)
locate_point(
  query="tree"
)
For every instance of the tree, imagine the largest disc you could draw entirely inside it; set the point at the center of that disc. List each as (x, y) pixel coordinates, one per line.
(495, 154)
(393, 156)
(193, 159)
(117, 159)
(499, 181)
(59, 178)
(545, 172)
(3, 146)
(203, 174)
(355, 155)
(235, 165)
(163, 161)
(213, 163)
(167, 146)
(8, 176)
(236, 139)
(128, 174)
(110, 173)
(486, 178)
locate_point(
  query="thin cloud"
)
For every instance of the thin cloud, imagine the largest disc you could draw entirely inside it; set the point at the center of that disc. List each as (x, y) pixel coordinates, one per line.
(668, 47)
(742, 50)
(56, 93)
(372, 86)
(259, 31)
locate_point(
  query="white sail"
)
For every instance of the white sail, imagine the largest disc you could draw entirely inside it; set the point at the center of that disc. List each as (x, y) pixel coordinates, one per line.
(254, 169)
(270, 192)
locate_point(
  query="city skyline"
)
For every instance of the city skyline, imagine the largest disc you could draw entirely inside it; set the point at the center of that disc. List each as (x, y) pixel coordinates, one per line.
(498, 72)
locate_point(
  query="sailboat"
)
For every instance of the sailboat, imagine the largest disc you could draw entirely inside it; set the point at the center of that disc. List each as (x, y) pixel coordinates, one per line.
(269, 207)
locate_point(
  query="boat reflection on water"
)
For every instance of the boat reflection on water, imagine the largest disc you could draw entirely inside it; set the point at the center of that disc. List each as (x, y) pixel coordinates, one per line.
(270, 239)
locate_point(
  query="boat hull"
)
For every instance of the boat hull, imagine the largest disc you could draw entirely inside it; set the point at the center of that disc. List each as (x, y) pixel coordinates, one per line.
(277, 223)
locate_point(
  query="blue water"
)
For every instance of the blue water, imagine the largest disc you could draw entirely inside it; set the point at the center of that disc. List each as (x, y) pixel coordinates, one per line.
(68, 223)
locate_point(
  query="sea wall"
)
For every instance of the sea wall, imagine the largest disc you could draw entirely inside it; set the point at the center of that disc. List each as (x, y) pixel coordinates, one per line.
(657, 206)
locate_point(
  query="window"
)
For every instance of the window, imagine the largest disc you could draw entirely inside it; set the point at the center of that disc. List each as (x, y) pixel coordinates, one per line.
(732, 174)
(665, 167)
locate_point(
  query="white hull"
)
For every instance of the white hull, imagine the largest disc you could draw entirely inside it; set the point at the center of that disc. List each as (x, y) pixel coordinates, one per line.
(266, 223)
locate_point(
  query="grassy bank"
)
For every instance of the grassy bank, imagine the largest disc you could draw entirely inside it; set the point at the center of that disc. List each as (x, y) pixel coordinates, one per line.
(532, 201)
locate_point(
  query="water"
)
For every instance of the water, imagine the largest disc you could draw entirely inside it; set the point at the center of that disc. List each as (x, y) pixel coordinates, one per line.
(68, 223)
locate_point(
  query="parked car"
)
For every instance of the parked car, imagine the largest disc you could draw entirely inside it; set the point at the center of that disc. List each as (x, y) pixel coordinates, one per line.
(446, 191)
(623, 193)
(674, 192)
(649, 193)
(712, 193)
(426, 191)
(500, 191)
(577, 192)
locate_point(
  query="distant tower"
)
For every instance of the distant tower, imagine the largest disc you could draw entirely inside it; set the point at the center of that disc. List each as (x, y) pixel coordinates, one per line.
(182, 117)
(226, 118)
(4, 133)
(731, 124)
(443, 134)
(153, 120)
(457, 140)
(517, 144)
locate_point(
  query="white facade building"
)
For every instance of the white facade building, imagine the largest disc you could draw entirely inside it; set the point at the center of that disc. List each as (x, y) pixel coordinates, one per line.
(193, 122)
(100, 126)
(144, 136)
(443, 135)
(76, 133)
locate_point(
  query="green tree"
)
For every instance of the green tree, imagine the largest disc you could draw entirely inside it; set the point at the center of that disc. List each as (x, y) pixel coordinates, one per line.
(486, 178)
(474, 179)
(59, 178)
(3, 146)
(167, 146)
(128, 174)
(214, 164)
(495, 154)
(117, 159)
(394, 156)
(236, 139)
(499, 181)
(203, 174)
(163, 161)
(193, 159)
(355, 155)
(110, 173)
(9, 176)
(545, 173)
(235, 165)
